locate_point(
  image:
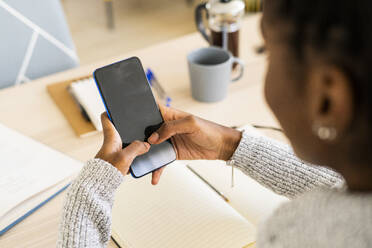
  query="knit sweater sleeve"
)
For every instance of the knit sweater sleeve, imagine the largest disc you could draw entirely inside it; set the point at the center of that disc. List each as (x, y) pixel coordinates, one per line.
(86, 217)
(274, 165)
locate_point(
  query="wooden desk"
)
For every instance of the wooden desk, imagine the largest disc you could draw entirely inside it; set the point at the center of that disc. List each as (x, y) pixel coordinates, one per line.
(29, 110)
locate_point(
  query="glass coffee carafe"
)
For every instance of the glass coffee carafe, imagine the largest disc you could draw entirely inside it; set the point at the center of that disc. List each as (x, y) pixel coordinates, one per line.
(224, 20)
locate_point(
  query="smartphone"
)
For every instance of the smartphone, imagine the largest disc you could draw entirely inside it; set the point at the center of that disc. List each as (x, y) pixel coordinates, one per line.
(132, 109)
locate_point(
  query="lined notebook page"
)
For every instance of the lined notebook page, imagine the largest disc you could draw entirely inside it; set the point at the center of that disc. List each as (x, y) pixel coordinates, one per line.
(248, 197)
(181, 211)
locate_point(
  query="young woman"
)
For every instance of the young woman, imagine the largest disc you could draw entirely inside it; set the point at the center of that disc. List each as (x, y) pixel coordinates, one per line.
(319, 86)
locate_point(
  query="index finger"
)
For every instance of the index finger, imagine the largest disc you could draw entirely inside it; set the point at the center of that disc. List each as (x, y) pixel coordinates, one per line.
(170, 114)
(156, 176)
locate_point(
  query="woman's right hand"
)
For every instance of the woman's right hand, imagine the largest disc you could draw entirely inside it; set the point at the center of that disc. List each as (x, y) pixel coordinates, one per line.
(195, 138)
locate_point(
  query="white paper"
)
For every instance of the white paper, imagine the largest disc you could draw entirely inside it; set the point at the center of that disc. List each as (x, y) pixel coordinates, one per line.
(182, 211)
(28, 167)
(248, 197)
(86, 92)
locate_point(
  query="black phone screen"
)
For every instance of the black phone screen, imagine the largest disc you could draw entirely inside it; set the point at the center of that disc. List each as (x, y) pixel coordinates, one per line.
(129, 102)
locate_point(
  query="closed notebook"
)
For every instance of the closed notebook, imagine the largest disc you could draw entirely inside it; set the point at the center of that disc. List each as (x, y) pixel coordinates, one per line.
(87, 95)
(61, 94)
(30, 175)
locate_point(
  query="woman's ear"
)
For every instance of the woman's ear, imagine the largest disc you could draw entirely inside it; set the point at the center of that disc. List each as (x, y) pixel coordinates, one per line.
(330, 98)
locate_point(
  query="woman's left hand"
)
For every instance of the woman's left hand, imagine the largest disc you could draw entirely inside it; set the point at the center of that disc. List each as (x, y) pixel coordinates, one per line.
(112, 151)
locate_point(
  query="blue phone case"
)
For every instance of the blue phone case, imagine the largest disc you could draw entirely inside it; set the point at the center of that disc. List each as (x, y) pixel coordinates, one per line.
(143, 162)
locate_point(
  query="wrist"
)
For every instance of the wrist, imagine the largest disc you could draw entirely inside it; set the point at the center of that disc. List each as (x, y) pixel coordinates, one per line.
(230, 141)
(103, 174)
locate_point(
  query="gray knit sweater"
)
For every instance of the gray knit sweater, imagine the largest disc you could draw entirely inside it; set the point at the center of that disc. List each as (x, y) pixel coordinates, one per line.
(321, 213)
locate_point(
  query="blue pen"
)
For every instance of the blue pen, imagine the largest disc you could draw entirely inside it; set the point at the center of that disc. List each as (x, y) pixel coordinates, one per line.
(160, 92)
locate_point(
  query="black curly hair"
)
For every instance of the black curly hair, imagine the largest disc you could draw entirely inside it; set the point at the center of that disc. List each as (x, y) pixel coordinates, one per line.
(339, 31)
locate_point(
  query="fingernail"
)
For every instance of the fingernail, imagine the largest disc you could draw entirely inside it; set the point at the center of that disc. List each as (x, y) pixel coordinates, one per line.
(153, 138)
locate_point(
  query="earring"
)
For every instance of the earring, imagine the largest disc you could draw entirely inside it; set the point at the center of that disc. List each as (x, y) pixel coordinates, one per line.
(325, 133)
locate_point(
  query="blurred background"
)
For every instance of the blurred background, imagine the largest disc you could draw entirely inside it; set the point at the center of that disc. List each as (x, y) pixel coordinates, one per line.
(135, 24)
(40, 31)
(118, 26)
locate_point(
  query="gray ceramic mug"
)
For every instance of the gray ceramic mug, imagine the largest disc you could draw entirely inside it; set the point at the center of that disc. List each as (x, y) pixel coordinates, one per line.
(210, 73)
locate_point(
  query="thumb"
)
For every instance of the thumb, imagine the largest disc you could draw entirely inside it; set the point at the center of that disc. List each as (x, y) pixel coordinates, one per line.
(133, 150)
(110, 135)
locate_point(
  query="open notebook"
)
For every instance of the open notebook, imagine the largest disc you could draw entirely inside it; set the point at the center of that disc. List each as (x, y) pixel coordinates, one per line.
(248, 197)
(30, 175)
(183, 211)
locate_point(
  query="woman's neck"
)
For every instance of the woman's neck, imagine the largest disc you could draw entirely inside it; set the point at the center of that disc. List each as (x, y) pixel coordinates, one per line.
(358, 178)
